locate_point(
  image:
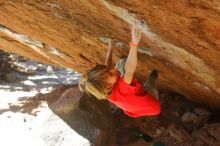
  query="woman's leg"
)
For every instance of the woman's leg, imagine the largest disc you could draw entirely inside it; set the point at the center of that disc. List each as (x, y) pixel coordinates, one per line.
(149, 85)
(153, 92)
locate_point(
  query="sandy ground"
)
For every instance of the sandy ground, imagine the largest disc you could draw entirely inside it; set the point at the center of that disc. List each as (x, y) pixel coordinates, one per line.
(45, 128)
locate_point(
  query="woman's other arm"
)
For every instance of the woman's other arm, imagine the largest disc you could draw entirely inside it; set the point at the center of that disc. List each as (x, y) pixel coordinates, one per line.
(108, 60)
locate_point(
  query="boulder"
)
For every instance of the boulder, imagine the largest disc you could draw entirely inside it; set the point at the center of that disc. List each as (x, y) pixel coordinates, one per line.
(189, 117)
(180, 38)
(87, 116)
(90, 118)
(10, 77)
(214, 130)
(205, 137)
(179, 134)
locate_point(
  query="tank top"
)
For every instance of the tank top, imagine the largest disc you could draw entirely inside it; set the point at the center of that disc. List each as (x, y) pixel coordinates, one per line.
(133, 100)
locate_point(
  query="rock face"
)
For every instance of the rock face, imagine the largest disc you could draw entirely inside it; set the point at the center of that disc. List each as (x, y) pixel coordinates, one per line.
(180, 38)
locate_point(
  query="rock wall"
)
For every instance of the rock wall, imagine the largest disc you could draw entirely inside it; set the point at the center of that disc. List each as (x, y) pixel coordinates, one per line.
(180, 38)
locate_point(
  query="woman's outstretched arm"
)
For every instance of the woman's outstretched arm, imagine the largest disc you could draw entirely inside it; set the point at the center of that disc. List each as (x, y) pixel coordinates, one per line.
(131, 62)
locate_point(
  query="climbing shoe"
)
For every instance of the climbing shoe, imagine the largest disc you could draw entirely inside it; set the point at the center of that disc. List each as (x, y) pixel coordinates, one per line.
(151, 79)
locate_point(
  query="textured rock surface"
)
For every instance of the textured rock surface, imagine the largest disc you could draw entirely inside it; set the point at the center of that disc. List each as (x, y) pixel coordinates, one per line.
(180, 38)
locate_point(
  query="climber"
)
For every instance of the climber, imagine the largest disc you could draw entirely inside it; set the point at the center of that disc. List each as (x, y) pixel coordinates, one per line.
(118, 86)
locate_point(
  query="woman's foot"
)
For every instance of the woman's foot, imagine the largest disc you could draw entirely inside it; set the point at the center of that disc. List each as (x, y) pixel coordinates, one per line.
(151, 79)
(149, 85)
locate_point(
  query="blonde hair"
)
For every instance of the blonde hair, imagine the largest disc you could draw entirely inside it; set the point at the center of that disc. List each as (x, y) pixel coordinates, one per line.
(94, 82)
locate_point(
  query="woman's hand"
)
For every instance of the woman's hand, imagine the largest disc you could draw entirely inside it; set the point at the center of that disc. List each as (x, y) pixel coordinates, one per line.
(135, 35)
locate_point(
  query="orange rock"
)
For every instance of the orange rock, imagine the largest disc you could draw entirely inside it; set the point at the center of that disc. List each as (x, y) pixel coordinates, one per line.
(180, 38)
